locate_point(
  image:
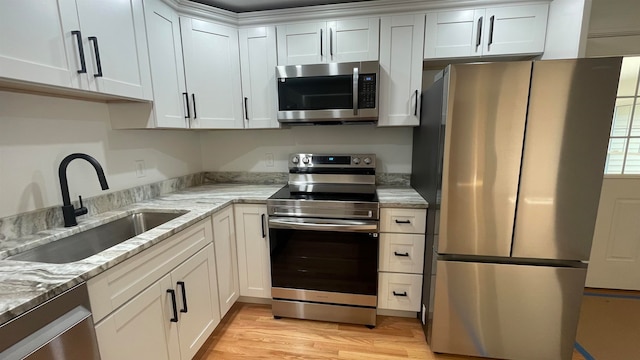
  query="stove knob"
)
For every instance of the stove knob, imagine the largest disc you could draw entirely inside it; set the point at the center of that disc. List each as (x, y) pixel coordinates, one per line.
(295, 160)
(356, 160)
(367, 160)
(305, 160)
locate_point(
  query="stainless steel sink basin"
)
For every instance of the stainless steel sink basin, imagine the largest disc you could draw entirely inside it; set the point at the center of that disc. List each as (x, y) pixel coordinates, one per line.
(90, 242)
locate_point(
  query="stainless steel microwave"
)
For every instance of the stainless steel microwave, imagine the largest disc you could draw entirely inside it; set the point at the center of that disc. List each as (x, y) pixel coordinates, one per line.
(328, 93)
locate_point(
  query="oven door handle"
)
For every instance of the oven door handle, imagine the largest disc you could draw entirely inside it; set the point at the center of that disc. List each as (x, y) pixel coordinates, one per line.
(323, 225)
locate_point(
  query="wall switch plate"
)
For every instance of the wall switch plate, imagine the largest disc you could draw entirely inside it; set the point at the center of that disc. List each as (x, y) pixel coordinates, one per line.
(140, 168)
(268, 159)
(424, 315)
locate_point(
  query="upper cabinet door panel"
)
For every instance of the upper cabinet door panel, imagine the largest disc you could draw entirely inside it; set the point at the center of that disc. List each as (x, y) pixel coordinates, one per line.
(119, 42)
(354, 40)
(212, 67)
(453, 34)
(167, 68)
(515, 30)
(37, 44)
(258, 60)
(302, 43)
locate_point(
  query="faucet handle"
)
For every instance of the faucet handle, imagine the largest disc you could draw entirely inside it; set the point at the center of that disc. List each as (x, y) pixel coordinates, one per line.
(81, 210)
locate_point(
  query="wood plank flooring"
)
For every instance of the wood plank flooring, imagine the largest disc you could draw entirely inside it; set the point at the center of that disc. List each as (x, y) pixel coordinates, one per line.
(249, 331)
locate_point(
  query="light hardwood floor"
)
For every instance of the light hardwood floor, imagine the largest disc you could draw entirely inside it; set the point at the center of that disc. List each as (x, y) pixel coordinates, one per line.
(249, 331)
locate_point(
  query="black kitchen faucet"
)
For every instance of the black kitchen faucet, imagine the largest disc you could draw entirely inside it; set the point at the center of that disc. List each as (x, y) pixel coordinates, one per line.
(68, 211)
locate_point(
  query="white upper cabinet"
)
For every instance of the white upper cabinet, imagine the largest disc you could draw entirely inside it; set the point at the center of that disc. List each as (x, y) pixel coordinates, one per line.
(37, 44)
(212, 68)
(115, 47)
(167, 68)
(257, 64)
(326, 42)
(401, 46)
(84, 44)
(509, 30)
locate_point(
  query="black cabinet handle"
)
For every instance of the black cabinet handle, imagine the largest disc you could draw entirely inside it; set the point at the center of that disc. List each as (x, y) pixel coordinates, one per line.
(83, 64)
(331, 41)
(246, 111)
(184, 296)
(403, 221)
(399, 254)
(264, 234)
(186, 99)
(399, 294)
(94, 40)
(321, 54)
(479, 37)
(492, 20)
(193, 98)
(415, 111)
(175, 306)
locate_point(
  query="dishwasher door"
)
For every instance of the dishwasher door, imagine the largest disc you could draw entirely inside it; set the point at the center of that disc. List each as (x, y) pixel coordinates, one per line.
(61, 328)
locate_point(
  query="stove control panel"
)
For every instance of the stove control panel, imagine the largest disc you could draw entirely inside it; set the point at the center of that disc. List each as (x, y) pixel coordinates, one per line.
(332, 160)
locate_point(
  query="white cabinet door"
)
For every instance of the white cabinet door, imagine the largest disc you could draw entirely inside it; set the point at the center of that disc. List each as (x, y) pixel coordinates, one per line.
(167, 68)
(354, 40)
(300, 44)
(37, 44)
(224, 240)
(212, 68)
(253, 250)
(258, 60)
(401, 45)
(196, 287)
(515, 29)
(451, 34)
(141, 329)
(115, 45)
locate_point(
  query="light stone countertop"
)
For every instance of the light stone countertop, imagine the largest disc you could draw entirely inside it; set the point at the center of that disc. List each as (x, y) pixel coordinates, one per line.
(24, 285)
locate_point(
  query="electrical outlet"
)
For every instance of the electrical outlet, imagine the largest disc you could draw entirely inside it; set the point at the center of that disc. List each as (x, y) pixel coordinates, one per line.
(268, 159)
(140, 168)
(424, 315)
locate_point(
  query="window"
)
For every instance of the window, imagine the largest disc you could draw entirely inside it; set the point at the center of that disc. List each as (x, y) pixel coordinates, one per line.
(623, 156)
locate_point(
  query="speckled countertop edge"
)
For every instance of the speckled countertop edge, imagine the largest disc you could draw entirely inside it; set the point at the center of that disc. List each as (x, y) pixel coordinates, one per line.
(24, 285)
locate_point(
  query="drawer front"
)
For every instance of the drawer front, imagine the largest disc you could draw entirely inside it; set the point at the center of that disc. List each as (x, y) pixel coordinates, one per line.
(403, 253)
(399, 291)
(409, 221)
(117, 285)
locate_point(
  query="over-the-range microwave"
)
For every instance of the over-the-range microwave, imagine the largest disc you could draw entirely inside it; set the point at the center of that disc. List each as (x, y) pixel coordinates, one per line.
(328, 93)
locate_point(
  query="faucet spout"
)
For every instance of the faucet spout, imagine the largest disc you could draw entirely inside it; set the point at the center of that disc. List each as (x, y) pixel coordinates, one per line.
(68, 211)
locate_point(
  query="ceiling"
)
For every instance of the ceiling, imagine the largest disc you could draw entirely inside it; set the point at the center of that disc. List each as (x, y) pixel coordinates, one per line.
(256, 5)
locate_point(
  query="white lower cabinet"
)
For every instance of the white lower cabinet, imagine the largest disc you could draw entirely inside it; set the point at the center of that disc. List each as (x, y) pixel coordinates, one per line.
(160, 304)
(254, 265)
(401, 258)
(224, 240)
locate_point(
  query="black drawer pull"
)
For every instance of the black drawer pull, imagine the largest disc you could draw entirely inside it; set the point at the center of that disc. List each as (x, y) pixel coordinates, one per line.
(403, 221)
(398, 254)
(399, 294)
(175, 306)
(184, 296)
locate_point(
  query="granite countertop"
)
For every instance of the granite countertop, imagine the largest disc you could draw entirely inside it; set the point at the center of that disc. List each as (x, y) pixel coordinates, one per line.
(24, 285)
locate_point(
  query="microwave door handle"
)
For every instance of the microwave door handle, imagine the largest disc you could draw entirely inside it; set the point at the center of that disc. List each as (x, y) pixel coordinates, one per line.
(355, 91)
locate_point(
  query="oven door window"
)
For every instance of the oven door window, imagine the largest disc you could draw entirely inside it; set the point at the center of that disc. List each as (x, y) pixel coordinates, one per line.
(315, 93)
(343, 262)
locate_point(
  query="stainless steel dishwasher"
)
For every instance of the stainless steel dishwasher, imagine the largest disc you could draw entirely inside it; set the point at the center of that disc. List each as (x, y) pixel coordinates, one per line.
(60, 329)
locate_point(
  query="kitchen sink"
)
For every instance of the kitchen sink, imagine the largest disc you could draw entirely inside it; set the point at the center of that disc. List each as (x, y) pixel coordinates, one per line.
(90, 242)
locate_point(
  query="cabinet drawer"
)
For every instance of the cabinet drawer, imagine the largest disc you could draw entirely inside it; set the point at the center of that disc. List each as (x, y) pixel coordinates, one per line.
(117, 285)
(402, 253)
(410, 221)
(399, 291)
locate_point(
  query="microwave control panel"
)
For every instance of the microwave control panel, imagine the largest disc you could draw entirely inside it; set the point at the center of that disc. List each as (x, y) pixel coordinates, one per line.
(367, 91)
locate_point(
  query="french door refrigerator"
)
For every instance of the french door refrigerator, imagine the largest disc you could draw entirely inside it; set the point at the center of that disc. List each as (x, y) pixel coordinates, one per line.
(510, 157)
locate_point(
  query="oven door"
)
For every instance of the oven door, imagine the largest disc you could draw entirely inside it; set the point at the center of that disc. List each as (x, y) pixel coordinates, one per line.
(324, 260)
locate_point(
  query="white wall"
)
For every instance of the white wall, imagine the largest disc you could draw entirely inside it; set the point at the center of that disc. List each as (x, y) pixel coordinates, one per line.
(614, 28)
(245, 150)
(37, 132)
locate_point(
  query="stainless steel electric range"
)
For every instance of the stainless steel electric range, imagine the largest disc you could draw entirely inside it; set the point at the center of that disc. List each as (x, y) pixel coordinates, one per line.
(323, 233)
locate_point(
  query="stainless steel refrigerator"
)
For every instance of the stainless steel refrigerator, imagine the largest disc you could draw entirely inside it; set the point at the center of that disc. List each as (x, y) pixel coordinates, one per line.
(510, 157)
